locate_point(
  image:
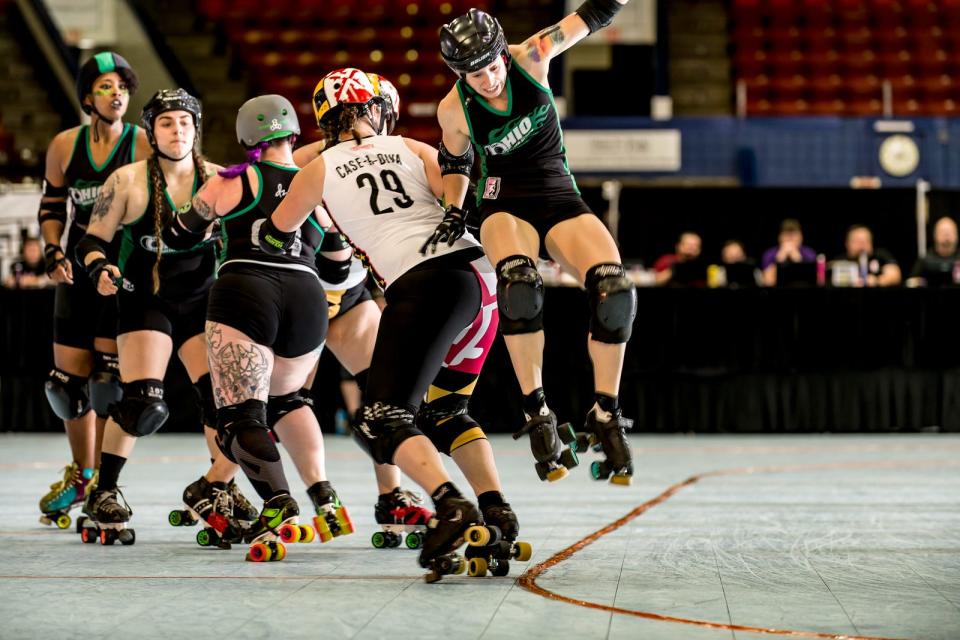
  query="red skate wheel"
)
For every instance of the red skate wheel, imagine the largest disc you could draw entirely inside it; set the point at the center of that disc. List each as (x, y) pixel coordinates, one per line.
(290, 533)
(259, 552)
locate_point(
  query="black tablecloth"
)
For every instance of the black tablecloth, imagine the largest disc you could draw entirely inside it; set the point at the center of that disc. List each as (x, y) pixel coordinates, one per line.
(699, 360)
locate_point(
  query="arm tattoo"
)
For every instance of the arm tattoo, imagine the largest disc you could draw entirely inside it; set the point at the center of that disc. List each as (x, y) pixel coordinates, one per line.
(240, 370)
(104, 200)
(203, 209)
(541, 44)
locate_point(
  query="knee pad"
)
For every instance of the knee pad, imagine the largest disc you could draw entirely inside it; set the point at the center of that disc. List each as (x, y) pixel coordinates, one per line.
(67, 394)
(613, 303)
(203, 391)
(104, 385)
(381, 428)
(237, 431)
(451, 434)
(519, 296)
(279, 406)
(142, 410)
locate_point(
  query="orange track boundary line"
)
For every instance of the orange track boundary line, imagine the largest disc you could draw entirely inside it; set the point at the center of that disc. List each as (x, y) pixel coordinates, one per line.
(529, 578)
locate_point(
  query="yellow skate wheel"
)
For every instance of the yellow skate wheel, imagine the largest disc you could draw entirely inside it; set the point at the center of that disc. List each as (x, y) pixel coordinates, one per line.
(343, 519)
(290, 533)
(478, 536)
(63, 521)
(523, 551)
(459, 565)
(306, 533)
(280, 553)
(477, 567)
(622, 480)
(557, 474)
(323, 529)
(259, 552)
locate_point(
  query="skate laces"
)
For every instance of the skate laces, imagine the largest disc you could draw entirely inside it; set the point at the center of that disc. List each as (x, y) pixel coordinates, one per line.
(408, 508)
(108, 500)
(239, 500)
(222, 501)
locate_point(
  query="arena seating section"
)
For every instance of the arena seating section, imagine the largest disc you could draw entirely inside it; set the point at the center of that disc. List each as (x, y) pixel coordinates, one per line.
(288, 45)
(826, 57)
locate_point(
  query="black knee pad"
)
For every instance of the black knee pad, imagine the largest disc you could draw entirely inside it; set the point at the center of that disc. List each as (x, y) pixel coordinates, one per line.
(613, 303)
(381, 428)
(451, 434)
(279, 406)
(234, 420)
(519, 296)
(203, 394)
(67, 394)
(104, 384)
(142, 410)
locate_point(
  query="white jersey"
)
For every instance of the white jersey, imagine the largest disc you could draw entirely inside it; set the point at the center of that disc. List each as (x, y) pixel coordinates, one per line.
(378, 194)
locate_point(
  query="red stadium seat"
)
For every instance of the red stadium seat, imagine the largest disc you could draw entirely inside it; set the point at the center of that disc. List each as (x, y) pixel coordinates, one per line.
(786, 62)
(790, 107)
(826, 87)
(862, 87)
(864, 108)
(788, 88)
(833, 107)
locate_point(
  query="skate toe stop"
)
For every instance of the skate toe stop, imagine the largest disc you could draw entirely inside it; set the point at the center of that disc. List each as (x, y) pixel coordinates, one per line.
(557, 474)
(623, 481)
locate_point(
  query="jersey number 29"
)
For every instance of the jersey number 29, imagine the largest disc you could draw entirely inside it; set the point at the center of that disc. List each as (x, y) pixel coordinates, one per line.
(392, 183)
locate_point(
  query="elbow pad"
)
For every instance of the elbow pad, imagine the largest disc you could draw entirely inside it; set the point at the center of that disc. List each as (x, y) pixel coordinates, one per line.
(333, 271)
(598, 13)
(451, 164)
(177, 236)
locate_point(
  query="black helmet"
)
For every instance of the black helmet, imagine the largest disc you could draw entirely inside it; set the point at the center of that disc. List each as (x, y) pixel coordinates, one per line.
(102, 63)
(169, 100)
(472, 41)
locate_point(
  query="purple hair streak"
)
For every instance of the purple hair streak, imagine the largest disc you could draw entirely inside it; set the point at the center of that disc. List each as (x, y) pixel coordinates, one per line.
(253, 155)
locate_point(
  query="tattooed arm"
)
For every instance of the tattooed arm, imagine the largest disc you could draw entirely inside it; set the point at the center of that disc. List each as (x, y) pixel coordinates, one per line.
(536, 51)
(110, 209)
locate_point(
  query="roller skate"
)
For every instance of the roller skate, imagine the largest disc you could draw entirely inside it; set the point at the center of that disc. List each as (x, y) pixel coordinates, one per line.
(86, 518)
(610, 438)
(402, 517)
(444, 536)
(108, 519)
(212, 503)
(549, 444)
(492, 545)
(332, 519)
(64, 495)
(243, 509)
(277, 524)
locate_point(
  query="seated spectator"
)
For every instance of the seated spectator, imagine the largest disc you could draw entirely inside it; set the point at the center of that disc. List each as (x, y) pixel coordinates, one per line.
(878, 268)
(28, 272)
(789, 248)
(733, 252)
(740, 271)
(936, 268)
(687, 249)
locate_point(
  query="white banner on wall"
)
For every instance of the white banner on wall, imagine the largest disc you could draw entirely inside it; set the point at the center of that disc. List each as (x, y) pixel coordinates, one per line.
(636, 23)
(634, 150)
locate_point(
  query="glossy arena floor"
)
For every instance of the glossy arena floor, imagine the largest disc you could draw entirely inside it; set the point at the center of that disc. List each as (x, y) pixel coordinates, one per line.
(719, 537)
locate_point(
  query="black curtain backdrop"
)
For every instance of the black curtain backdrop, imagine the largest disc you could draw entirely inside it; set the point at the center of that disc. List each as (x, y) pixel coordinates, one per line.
(804, 360)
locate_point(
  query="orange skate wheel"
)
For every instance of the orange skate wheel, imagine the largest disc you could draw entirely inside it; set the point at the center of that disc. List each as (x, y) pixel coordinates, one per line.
(478, 536)
(523, 551)
(280, 553)
(343, 519)
(323, 529)
(306, 533)
(290, 533)
(259, 552)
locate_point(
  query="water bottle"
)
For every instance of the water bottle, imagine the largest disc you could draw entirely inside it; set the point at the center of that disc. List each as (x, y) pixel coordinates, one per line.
(821, 270)
(341, 422)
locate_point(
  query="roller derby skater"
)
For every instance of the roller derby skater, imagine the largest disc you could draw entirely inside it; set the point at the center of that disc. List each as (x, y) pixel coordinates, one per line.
(530, 206)
(605, 431)
(85, 380)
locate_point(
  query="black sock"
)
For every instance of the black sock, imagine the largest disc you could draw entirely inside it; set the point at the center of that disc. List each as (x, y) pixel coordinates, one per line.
(533, 401)
(388, 496)
(110, 468)
(219, 485)
(445, 491)
(610, 404)
(490, 499)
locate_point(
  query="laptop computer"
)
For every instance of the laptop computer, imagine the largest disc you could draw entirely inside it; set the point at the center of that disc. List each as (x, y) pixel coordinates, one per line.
(689, 274)
(796, 274)
(741, 275)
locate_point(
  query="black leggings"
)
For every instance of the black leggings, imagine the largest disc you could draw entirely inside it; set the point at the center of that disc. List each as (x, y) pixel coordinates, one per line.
(427, 308)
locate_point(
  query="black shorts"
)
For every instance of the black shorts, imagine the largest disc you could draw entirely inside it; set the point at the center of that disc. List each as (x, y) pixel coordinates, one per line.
(283, 309)
(542, 212)
(179, 320)
(339, 301)
(81, 314)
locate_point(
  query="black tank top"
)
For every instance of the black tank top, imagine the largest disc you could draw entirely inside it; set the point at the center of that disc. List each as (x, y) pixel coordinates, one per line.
(184, 274)
(240, 227)
(521, 149)
(84, 178)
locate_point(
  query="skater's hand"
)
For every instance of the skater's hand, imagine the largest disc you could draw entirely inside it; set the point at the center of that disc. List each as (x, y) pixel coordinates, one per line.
(450, 229)
(58, 267)
(105, 277)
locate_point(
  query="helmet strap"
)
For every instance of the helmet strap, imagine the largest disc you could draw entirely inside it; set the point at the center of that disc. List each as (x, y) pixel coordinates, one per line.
(96, 124)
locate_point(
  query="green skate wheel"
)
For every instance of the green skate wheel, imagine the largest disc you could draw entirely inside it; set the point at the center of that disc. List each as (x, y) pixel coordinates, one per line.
(414, 540)
(599, 470)
(175, 518)
(204, 539)
(569, 458)
(379, 540)
(566, 433)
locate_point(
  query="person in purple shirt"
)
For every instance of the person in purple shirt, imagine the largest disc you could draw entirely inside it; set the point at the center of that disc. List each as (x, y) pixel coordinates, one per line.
(789, 248)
